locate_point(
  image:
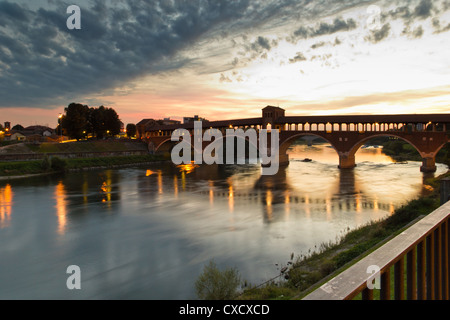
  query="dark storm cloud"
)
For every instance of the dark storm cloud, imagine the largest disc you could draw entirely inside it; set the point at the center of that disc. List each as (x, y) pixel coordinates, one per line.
(11, 11)
(379, 35)
(324, 28)
(260, 47)
(422, 10)
(43, 62)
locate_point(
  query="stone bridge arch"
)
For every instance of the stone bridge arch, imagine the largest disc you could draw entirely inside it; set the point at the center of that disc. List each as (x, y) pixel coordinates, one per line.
(347, 144)
(165, 144)
(288, 138)
(428, 151)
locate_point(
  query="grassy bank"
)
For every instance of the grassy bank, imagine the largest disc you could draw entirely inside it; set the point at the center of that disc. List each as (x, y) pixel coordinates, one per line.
(75, 147)
(55, 164)
(331, 258)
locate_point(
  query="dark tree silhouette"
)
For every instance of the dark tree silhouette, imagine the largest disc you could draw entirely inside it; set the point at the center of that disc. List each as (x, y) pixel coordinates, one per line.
(18, 127)
(131, 130)
(80, 120)
(75, 121)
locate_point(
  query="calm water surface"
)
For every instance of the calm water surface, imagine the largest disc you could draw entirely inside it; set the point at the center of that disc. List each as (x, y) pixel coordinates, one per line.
(146, 233)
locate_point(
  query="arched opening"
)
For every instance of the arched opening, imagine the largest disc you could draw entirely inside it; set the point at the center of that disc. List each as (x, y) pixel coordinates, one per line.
(386, 148)
(237, 156)
(309, 147)
(165, 148)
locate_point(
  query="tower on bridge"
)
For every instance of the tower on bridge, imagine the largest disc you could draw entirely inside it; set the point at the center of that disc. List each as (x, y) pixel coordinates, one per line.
(270, 115)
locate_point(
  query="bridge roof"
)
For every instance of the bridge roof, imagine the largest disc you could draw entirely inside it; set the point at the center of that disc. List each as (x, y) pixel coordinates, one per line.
(398, 118)
(208, 124)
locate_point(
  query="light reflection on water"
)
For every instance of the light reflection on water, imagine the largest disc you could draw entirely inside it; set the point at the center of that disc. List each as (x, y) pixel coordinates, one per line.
(147, 232)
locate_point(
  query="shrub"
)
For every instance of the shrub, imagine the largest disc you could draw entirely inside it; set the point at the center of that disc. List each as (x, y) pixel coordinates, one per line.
(214, 284)
(45, 163)
(58, 164)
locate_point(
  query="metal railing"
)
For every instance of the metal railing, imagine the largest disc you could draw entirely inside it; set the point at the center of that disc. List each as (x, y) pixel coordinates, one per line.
(413, 266)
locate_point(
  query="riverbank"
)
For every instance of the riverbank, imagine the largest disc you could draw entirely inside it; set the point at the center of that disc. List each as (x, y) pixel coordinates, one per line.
(310, 270)
(49, 165)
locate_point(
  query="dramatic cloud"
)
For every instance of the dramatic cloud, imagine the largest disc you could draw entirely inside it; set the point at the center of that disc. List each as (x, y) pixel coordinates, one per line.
(324, 28)
(125, 45)
(423, 10)
(45, 63)
(379, 35)
(298, 58)
(438, 28)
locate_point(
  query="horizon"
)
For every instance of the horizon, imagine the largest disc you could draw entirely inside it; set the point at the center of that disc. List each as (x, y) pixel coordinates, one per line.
(224, 60)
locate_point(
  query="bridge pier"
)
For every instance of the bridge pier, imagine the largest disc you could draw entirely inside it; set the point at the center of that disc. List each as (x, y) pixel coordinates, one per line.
(347, 161)
(282, 162)
(429, 165)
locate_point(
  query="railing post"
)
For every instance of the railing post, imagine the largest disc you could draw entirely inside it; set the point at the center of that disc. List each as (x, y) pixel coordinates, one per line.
(446, 261)
(385, 293)
(430, 268)
(445, 190)
(421, 271)
(411, 270)
(399, 271)
(367, 294)
(438, 263)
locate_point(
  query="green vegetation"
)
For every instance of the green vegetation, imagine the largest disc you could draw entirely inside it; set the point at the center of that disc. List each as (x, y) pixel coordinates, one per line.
(55, 164)
(214, 284)
(20, 168)
(88, 146)
(51, 164)
(76, 147)
(76, 164)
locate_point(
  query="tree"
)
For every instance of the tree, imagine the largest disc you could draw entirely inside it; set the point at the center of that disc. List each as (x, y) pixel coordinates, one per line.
(75, 121)
(18, 127)
(80, 120)
(214, 284)
(131, 130)
(103, 121)
(97, 122)
(112, 121)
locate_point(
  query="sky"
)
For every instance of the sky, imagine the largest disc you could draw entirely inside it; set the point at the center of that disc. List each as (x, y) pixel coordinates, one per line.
(223, 59)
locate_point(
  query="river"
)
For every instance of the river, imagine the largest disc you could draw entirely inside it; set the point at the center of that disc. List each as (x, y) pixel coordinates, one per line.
(147, 232)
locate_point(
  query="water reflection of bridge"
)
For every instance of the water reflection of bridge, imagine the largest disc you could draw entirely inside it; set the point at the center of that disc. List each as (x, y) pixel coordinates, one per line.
(274, 194)
(355, 202)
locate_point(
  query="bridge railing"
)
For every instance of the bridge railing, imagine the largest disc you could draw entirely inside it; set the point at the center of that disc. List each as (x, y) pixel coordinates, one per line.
(413, 266)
